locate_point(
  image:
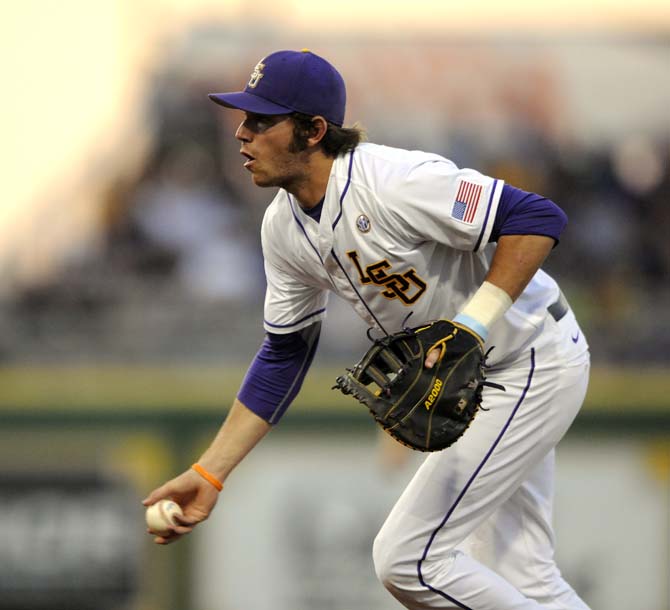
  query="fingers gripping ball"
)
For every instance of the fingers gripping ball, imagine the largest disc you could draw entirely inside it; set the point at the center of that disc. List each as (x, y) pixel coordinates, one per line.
(160, 516)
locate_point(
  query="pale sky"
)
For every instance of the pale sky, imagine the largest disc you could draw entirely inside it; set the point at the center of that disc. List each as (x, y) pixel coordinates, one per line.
(444, 15)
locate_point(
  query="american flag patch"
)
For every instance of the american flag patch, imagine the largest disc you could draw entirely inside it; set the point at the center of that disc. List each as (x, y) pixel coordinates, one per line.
(467, 200)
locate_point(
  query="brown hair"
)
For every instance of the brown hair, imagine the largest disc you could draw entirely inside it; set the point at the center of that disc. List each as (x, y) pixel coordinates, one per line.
(336, 141)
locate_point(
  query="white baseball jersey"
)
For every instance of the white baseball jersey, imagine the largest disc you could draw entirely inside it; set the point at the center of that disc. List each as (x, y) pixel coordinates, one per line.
(400, 232)
(405, 232)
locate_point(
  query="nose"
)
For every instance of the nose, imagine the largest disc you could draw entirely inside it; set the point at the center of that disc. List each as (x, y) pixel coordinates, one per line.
(243, 134)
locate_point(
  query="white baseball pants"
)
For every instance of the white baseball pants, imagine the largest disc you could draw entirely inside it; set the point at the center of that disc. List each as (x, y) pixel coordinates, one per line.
(473, 528)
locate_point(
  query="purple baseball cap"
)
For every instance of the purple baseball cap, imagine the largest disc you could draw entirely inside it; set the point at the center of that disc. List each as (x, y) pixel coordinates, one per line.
(291, 81)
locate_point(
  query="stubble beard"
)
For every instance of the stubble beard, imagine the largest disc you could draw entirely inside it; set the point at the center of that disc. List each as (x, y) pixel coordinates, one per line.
(290, 173)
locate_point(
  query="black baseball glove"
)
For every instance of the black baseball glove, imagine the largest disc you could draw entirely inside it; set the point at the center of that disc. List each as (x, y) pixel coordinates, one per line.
(425, 409)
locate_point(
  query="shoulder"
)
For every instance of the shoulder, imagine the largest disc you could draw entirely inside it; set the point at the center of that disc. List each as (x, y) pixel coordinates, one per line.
(398, 159)
(278, 216)
(385, 169)
(277, 212)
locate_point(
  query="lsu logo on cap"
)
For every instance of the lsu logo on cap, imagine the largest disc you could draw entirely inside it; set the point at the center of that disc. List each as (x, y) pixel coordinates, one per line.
(256, 75)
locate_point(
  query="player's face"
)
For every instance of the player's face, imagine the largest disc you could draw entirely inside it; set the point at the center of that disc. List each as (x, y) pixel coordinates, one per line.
(266, 141)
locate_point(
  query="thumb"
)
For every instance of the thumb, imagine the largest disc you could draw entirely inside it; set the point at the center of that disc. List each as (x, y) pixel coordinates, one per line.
(432, 358)
(155, 496)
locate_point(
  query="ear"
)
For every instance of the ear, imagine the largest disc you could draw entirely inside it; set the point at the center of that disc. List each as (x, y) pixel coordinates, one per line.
(319, 129)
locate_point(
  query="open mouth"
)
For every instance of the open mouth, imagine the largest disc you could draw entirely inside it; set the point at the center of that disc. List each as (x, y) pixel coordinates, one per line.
(250, 159)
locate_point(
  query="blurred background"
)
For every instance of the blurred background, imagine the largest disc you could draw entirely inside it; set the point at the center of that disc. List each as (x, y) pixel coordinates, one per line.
(131, 287)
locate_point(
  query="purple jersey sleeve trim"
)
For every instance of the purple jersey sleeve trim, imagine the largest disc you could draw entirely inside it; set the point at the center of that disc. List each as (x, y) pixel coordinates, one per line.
(302, 228)
(346, 188)
(309, 315)
(486, 217)
(277, 372)
(523, 213)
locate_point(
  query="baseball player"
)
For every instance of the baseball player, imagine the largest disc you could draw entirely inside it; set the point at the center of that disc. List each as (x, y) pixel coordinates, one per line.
(395, 232)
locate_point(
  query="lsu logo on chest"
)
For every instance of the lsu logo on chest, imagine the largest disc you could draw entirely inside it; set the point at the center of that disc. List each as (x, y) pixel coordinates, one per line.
(407, 287)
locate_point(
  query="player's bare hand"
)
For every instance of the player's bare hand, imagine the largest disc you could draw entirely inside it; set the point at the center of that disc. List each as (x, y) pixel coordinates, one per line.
(195, 496)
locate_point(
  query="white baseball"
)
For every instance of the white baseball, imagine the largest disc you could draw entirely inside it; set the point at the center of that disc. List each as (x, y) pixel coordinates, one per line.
(160, 516)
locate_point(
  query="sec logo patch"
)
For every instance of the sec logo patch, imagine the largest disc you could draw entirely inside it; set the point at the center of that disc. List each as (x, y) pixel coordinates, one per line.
(363, 223)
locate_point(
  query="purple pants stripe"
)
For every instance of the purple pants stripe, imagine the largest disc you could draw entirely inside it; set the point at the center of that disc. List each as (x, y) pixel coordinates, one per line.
(467, 486)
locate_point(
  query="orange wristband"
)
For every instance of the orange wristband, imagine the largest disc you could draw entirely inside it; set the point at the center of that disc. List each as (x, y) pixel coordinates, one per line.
(210, 478)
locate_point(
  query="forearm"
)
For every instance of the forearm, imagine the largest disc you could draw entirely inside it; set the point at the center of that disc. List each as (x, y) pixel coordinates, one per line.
(516, 260)
(272, 381)
(239, 434)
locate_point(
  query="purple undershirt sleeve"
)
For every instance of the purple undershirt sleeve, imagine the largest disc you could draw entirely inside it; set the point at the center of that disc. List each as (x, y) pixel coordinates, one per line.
(276, 374)
(523, 213)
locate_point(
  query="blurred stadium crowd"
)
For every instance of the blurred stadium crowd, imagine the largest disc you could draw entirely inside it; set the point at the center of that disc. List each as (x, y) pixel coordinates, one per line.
(178, 271)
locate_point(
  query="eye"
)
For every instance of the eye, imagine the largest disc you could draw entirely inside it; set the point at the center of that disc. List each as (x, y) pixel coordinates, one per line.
(263, 123)
(258, 123)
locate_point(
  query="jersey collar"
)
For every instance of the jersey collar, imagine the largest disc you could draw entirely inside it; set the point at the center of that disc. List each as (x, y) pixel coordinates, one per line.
(334, 202)
(330, 207)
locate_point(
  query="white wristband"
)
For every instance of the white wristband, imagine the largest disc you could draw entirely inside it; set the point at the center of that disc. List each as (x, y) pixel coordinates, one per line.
(485, 307)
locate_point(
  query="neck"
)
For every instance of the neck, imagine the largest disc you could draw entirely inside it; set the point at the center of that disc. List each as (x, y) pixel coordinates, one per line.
(312, 188)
